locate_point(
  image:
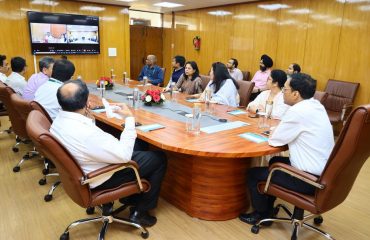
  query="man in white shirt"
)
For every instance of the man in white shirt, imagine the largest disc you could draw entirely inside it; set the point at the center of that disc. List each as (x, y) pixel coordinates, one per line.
(46, 94)
(306, 129)
(232, 66)
(93, 148)
(4, 68)
(16, 79)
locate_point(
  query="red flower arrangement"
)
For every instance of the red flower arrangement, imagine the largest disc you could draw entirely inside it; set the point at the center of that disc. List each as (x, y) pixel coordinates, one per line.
(153, 97)
(108, 82)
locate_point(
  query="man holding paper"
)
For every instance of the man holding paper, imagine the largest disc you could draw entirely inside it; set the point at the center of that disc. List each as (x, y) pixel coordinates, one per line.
(93, 148)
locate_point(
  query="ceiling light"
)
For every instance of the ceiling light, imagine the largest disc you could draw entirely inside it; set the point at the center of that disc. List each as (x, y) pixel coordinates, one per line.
(92, 8)
(168, 5)
(44, 2)
(219, 13)
(125, 0)
(273, 7)
(245, 16)
(300, 11)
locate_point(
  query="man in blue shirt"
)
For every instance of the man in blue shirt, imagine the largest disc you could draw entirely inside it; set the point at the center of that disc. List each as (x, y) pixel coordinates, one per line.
(152, 71)
(178, 63)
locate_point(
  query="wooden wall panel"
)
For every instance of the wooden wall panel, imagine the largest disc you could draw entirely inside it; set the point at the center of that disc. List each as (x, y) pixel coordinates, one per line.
(328, 38)
(168, 52)
(242, 40)
(265, 35)
(353, 63)
(292, 33)
(114, 32)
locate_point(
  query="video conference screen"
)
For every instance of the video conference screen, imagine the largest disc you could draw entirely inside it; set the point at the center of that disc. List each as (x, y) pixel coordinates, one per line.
(54, 33)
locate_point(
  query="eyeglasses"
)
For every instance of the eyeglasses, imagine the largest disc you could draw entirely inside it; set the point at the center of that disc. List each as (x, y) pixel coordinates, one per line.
(284, 89)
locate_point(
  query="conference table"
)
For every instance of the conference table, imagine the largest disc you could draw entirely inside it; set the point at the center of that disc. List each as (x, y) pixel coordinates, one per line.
(206, 174)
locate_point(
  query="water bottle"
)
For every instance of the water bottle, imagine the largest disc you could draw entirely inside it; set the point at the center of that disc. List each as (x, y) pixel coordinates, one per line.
(102, 88)
(135, 98)
(207, 99)
(145, 80)
(268, 108)
(172, 86)
(196, 119)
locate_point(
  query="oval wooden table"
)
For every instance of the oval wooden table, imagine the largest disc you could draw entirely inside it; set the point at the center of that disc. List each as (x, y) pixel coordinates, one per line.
(206, 175)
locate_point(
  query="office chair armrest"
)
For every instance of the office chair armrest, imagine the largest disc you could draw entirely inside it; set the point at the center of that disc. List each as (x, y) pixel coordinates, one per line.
(345, 111)
(294, 172)
(111, 169)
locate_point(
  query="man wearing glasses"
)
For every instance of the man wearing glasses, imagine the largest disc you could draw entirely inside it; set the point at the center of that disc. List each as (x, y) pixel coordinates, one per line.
(306, 129)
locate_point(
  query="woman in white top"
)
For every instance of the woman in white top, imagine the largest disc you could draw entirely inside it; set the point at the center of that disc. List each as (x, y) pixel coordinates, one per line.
(224, 89)
(275, 83)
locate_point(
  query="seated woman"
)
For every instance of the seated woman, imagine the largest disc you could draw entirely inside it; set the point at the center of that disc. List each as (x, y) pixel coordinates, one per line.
(293, 68)
(224, 89)
(275, 83)
(190, 82)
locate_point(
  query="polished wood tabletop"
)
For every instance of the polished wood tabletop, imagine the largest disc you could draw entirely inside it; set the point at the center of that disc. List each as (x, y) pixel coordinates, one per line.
(206, 173)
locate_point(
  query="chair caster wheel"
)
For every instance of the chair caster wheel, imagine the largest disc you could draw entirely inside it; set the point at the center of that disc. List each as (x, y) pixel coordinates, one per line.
(16, 169)
(45, 171)
(48, 197)
(42, 182)
(255, 229)
(90, 210)
(318, 220)
(145, 235)
(15, 149)
(64, 236)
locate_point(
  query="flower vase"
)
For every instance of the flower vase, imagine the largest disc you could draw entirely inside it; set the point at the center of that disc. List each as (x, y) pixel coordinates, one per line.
(148, 104)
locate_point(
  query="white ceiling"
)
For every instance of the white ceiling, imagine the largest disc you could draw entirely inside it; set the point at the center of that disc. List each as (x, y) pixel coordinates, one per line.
(147, 5)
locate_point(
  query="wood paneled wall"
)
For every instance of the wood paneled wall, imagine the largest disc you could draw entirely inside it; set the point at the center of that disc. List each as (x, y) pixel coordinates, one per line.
(114, 33)
(328, 38)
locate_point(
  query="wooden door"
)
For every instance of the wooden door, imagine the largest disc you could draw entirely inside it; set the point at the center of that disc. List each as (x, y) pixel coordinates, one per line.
(144, 40)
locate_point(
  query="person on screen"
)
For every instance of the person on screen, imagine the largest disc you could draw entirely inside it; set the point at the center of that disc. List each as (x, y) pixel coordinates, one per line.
(46, 94)
(4, 68)
(275, 84)
(16, 79)
(178, 63)
(48, 38)
(306, 129)
(224, 88)
(95, 149)
(190, 82)
(152, 71)
(36, 80)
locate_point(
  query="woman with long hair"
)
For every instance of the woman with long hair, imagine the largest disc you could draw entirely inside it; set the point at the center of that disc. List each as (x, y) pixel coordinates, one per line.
(190, 82)
(223, 87)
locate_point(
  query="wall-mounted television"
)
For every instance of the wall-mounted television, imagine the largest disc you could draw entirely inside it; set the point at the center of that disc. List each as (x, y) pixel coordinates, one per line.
(56, 33)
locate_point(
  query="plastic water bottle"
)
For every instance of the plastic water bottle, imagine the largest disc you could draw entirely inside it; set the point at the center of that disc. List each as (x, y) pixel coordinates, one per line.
(135, 98)
(172, 86)
(196, 119)
(102, 88)
(268, 108)
(145, 80)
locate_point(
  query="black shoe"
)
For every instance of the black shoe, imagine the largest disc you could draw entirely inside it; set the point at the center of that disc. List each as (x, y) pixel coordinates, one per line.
(127, 201)
(143, 218)
(253, 218)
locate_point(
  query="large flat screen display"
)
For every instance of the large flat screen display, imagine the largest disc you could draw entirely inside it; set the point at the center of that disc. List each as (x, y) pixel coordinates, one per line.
(55, 33)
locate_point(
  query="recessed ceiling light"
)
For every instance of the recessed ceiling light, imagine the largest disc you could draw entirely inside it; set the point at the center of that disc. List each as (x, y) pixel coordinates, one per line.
(168, 5)
(44, 2)
(92, 8)
(272, 7)
(219, 13)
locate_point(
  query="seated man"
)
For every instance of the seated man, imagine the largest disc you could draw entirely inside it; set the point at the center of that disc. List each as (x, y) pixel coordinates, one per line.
(46, 94)
(37, 79)
(232, 66)
(4, 68)
(306, 129)
(16, 79)
(152, 71)
(260, 77)
(293, 68)
(93, 148)
(178, 65)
